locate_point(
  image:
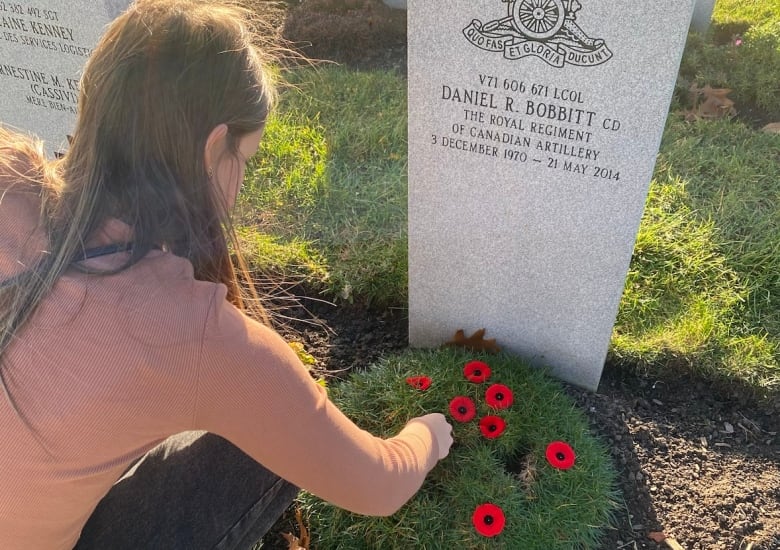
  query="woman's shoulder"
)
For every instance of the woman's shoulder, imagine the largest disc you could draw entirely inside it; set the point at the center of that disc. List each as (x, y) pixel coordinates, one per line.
(164, 281)
(156, 302)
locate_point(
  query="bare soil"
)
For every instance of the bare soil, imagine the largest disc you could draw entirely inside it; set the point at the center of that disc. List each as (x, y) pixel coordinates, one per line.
(697, 461)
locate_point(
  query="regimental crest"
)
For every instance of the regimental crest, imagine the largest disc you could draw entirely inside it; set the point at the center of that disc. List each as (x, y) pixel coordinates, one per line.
(546, 29)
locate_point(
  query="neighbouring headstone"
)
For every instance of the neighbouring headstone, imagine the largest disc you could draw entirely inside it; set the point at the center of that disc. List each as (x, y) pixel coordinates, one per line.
(395, 4)
(44, 45)
(702, 15)
(533, 132)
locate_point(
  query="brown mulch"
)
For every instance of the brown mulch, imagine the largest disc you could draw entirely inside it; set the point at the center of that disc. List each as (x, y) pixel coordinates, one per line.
(696, 462)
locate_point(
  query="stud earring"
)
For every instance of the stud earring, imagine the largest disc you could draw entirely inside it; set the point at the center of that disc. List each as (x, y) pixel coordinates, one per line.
(211, 173)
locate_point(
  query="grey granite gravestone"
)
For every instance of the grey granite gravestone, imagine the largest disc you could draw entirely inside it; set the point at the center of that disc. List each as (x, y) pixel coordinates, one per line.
(44, 45)
(702, 15)
(533, 132)
(395, 4)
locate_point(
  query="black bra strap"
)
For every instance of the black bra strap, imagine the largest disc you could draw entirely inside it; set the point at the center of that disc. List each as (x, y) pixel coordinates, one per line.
(104, 251)
(86, 255)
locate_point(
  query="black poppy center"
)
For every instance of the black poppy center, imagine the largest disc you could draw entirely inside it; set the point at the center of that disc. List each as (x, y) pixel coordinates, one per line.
(492, 428)
(499, 396)
(560, 456)
(462, 409)
(477, 372)
(488, 520)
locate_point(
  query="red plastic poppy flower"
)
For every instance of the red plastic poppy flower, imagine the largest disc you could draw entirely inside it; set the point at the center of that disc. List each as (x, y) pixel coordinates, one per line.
(462, 409)
(560, 455)
(492, 426)
(488, 520)
(499, 396)
(476, 371)
(419, 382)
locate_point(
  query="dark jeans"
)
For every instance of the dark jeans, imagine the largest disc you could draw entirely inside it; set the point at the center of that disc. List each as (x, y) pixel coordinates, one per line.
(195, 490)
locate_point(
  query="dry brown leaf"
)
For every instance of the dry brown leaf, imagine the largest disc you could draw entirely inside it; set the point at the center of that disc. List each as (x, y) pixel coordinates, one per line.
(710, 103)
(293, 541)
(772, 128)
(660, 537)
(475, 342)
(657, 536)
(298, 543)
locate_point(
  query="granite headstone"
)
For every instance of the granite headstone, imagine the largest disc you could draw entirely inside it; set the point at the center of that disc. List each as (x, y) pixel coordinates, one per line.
(44, 45)
(702, 15)
(534, 127)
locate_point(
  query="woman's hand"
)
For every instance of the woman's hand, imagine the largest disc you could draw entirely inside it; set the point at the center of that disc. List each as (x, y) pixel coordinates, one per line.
(441, 430)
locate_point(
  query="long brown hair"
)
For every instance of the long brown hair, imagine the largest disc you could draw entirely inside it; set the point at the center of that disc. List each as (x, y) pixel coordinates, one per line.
(165, 73)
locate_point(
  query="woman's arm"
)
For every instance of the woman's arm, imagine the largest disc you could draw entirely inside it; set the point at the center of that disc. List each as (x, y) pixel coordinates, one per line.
(254, 391)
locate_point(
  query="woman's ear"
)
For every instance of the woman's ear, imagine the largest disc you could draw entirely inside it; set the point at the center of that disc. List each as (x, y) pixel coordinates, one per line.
(216, 145)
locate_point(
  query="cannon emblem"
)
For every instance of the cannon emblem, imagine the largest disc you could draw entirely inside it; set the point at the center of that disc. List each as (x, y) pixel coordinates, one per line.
(546, 29)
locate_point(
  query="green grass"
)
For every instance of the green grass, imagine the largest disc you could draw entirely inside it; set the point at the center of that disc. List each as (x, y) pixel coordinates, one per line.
(704, 285)
(733, 177)
(750, 69)
(748, 12)
(325, 203)
(331, 171)
(686, 304)
(546, 508)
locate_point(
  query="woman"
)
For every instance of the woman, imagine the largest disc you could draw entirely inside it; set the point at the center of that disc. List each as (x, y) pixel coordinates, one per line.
(122, 322)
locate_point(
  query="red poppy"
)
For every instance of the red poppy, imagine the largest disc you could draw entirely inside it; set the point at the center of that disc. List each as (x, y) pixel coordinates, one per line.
(462, 409)
(419, 382)
(476, 371)
(560, 455)
(488, 519)
(498, 396)
(492, 426)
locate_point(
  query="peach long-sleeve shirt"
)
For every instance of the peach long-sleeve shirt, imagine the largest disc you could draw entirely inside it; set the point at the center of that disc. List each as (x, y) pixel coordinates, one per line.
(109, 366)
